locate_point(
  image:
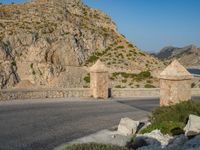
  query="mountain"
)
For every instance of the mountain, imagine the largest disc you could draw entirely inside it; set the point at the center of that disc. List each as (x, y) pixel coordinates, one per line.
(51, 43)
(189, 56)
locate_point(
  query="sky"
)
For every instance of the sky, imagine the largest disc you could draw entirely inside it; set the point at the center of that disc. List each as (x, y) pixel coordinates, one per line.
(152, 24)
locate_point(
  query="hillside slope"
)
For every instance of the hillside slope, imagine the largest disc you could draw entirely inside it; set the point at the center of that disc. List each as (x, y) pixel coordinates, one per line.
(51, 43)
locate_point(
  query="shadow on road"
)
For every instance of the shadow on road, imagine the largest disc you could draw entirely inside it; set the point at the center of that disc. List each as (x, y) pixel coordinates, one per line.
(146, 104)
(143, 104)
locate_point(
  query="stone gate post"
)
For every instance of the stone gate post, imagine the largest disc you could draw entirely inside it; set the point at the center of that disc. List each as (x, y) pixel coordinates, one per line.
(99, 80)
(175, 84)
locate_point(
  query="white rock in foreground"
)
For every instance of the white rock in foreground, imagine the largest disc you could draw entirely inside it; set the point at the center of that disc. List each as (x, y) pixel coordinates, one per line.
(193, 126)
(152, 140)
(128, 126)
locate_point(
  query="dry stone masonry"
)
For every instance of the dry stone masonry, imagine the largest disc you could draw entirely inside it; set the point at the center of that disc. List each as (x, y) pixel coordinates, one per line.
(99, 80)
(175, 84)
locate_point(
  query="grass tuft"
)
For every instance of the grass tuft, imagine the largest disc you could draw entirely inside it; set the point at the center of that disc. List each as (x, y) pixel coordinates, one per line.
(93, 146)
(172, 119)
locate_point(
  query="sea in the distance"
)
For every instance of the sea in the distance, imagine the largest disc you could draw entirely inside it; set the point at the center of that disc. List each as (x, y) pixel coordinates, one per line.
(194, 71)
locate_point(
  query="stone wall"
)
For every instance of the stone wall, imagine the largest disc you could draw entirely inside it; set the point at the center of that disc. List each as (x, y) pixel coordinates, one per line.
(44, 93)
(195, 91)
(143, 92)
(138, 92)
(80, 92)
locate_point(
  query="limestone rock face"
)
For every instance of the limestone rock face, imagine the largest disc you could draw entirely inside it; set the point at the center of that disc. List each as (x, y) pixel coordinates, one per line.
(128, 126)
(40, 41)
(193, 126)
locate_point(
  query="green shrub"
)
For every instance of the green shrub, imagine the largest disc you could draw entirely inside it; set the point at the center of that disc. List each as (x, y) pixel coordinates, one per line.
(193, 85)
(13, 63)
(149, 86)
(149, 81)
(98, 54)
(93, 146)
(144, 74)
(118, 86)
(124, 74)
(120, 47)
(115, 74)
(138, 77)
(92, 59)
(87, 78)
(31, 65)
(141, 53)
(172, 119)
(166, 127)
(130, 45)
(33, 72)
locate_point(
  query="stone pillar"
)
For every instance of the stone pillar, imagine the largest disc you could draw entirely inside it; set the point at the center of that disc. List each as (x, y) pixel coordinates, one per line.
(175, 84)
(99, 80)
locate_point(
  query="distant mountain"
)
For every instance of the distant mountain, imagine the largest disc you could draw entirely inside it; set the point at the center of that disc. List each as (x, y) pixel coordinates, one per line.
(189, 56)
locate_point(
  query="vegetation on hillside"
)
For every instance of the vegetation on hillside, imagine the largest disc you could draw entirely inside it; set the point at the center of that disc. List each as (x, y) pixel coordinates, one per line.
(122, 54)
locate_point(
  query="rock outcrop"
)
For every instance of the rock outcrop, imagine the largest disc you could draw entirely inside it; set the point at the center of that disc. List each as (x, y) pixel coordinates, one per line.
(128, 126)
(48, 42)
(193, 126)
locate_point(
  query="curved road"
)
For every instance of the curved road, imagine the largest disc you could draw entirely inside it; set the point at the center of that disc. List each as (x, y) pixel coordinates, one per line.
(45, 124)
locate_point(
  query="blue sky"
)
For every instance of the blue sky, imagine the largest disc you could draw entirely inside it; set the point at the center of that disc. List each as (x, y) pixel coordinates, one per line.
(152, 24)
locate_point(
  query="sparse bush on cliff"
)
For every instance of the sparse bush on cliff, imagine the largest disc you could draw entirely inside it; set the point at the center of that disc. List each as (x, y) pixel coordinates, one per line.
(141, 75)
(149, 86)
(141, 53)
(92, 59)
(120, 47)
(130, 45)
(87, 78)
(144, 74)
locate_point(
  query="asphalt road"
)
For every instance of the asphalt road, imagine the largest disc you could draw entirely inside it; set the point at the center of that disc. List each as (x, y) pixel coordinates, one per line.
(43, 125)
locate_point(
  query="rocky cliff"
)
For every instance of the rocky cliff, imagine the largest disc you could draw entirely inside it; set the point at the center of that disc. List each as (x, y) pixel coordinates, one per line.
(52, 42)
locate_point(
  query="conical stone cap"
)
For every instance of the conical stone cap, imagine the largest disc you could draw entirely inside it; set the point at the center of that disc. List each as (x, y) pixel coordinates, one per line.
(175, 71)
(99, 67)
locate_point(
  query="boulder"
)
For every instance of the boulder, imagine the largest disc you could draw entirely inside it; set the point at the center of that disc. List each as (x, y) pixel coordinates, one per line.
(128, 126)
(193, 126)
(153, 140)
